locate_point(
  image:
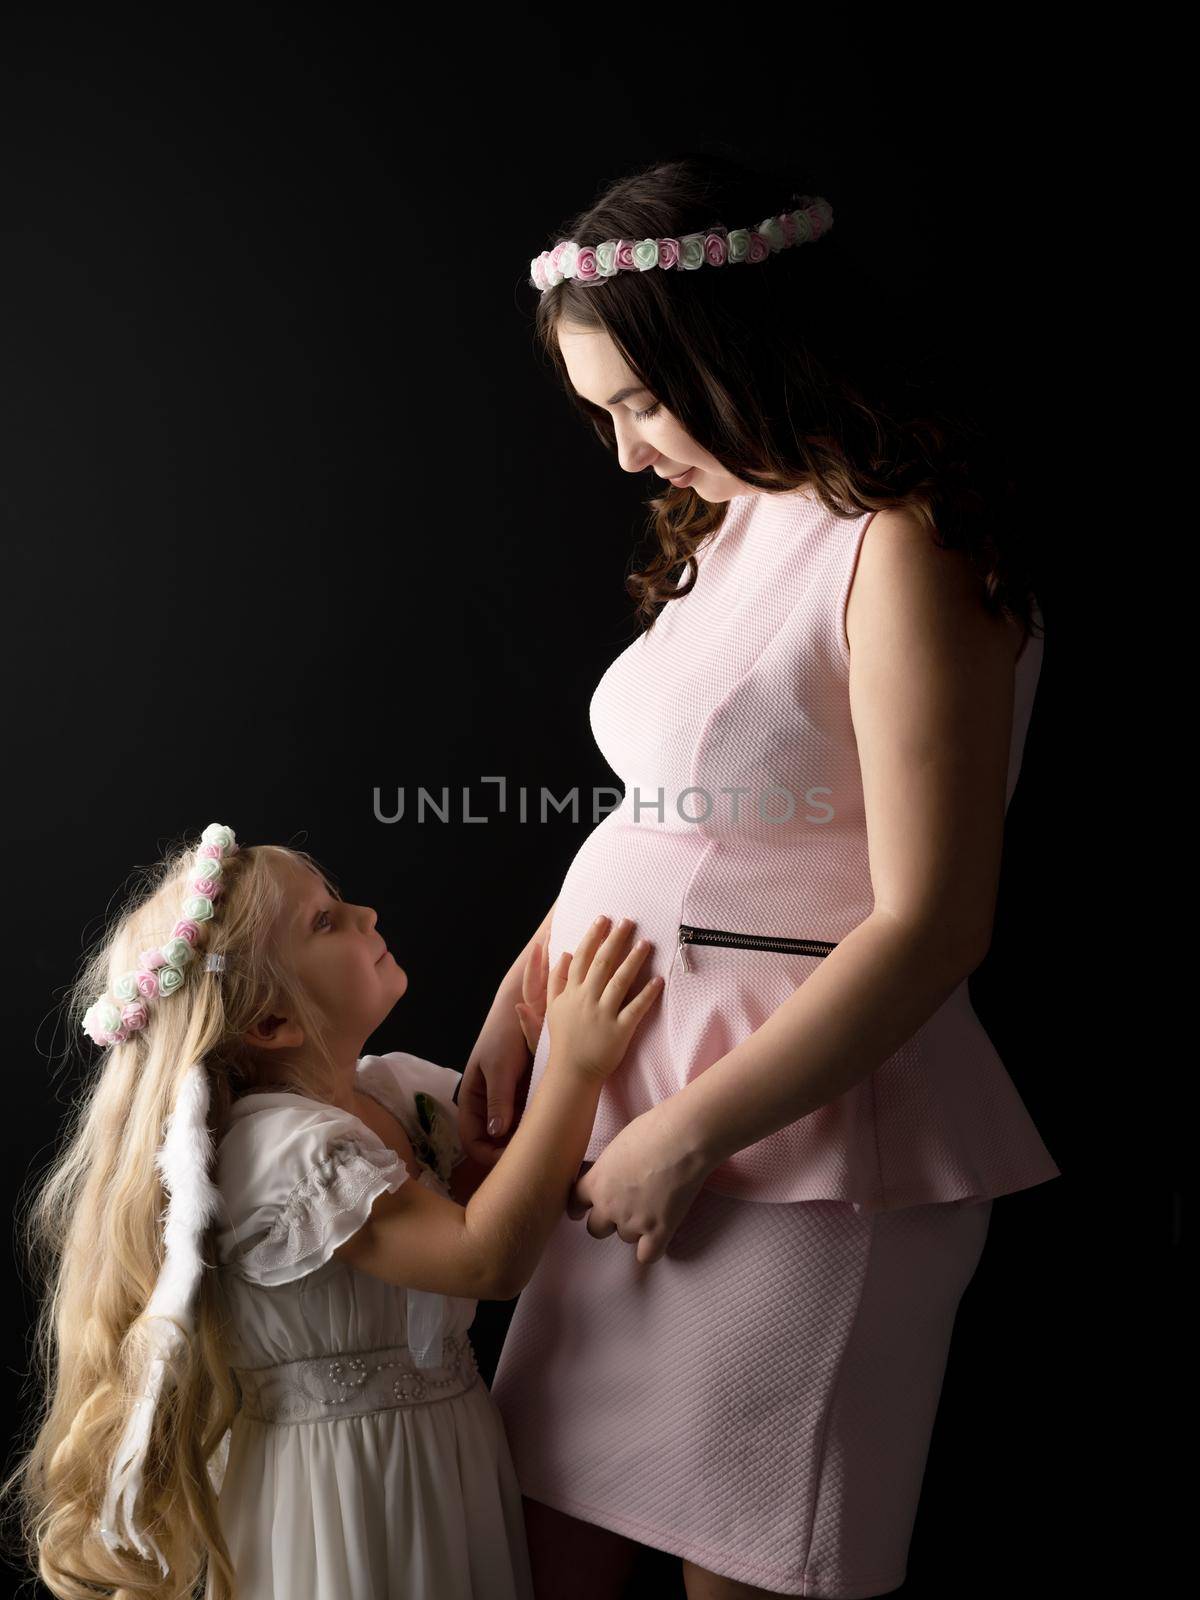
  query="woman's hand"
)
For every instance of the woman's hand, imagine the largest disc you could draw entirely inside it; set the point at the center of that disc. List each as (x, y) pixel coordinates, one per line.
(531, 1007)
(495, 1081)
(642, 1184)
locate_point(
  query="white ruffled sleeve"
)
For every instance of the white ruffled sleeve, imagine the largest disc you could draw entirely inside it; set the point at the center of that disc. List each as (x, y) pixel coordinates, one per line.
(420, 1095)
(308, 1176)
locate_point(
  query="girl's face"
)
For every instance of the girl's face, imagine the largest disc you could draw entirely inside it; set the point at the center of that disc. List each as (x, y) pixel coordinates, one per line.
(647, 435)
(335, 951)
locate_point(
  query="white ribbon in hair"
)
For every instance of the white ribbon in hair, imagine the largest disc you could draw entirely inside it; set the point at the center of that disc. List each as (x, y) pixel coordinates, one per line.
(184, 1160)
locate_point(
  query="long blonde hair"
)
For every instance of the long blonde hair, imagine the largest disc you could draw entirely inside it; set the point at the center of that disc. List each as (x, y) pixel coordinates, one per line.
(93, 1233)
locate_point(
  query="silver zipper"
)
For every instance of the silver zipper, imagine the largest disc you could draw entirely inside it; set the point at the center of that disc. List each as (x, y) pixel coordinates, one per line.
(728, 939)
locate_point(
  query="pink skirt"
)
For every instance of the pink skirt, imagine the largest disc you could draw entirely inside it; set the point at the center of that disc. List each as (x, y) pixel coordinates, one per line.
(760, 1400)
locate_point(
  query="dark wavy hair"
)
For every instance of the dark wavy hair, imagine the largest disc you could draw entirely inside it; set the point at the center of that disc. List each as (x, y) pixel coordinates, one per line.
(796, 372)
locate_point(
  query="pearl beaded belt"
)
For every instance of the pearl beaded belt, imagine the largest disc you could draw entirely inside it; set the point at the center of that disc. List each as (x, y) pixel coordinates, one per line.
(353, 1383)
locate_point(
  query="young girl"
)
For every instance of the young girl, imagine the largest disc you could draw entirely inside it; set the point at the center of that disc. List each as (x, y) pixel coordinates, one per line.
(306, 1419)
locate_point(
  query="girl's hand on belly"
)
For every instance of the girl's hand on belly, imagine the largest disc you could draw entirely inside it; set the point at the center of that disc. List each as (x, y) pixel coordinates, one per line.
(641, 1184)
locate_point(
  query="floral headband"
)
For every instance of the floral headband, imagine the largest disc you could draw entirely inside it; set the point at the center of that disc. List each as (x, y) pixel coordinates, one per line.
(717, 247)
(160, 972)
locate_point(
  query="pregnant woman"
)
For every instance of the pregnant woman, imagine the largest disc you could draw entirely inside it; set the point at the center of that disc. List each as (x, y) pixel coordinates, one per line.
(733, 1347)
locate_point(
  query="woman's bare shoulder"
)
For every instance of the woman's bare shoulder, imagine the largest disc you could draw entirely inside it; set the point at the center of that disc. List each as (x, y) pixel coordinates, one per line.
(900, 564)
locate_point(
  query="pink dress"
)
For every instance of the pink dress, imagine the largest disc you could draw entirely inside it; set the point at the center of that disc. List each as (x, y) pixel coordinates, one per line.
(720, 1402)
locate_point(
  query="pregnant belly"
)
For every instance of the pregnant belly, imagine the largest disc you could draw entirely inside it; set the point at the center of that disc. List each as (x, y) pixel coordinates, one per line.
(921, 1127)
(712, 998)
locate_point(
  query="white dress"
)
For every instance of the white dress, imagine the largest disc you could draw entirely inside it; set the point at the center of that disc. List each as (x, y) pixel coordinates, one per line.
(367, 1460)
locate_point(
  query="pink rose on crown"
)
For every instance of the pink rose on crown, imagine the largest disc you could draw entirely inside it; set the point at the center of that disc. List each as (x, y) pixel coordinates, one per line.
(585, 264)
(668, 252)
(185, 928)
(716, 250)
(210, 888)
(624, 256)
(149, 959)
(147, 983)
(134, 1016)
(820, 217)
(759, 248)
(554, 273)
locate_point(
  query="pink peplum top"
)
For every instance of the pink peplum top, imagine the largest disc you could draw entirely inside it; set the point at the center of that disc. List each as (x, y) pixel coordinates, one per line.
(740, 851)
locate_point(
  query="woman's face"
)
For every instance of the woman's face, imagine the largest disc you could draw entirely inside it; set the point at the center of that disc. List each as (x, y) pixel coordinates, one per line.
(647, 435)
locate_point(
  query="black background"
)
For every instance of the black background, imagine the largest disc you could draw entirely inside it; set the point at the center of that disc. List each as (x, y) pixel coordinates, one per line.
(291, 509)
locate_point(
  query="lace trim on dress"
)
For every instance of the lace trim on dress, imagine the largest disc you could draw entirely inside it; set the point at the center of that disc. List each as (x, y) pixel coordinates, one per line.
(327, 1205)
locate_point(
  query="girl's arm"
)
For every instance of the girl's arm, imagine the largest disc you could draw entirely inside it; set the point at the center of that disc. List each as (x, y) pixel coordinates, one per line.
(466, 1178)
(419, 1239)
